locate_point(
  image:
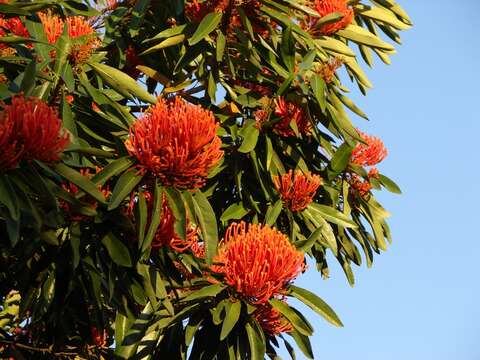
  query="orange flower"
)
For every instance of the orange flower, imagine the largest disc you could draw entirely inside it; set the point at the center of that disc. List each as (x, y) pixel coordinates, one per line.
(368, 154)
(30, 130)
(373, 173)
(297, 191)
(257, 261)
(77, 27)
(363, 187)
(176, 142)
(327, 7)
(288, 112)
(271, 320)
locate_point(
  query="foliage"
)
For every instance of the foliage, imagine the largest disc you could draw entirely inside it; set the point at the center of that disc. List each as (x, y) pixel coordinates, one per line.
(109, 236)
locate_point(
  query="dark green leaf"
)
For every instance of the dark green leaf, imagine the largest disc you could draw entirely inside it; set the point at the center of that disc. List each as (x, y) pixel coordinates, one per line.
(232, 315)
(208, 223)
(117, 250)
(81, 181)
(124, 186)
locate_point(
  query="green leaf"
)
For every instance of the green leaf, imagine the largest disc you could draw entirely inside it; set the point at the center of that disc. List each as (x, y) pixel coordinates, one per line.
(287, 49)
(318, 87)
(156, 216)
(208, 223)
(122, 83)
(112, 169)
(341, 158)
(28, 81)
(117, 250)
(9, 198)
(389, 184)
(124, 186)
(232, 315)
(177, 206)
(332, 215)
(249, 134)
(220, 48)
(273, 212)
(316, 304)
(299, 324)
(234, 211)
(81, 181)
(174, 40)
(256, 339)
(303, 343)
(362, 36)
(207, 291)
(207, 25)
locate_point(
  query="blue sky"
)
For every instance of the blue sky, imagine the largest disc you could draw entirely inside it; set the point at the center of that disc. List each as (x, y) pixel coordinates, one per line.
(420, 299)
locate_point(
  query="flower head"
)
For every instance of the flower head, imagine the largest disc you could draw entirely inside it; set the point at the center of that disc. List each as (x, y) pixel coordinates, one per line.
(370, 153)
(257, 261)
(77, 27)
(176, 142)
(328, 7)
(30, 130)
(13, 26)
(287, 112)
(297, 190)
(271, 320)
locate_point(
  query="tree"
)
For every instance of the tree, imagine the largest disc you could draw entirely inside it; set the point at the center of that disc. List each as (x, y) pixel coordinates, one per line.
(167, 168)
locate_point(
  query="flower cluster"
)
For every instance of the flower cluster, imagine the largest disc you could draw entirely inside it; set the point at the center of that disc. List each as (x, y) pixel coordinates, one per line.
(297, 189)
(271, 320)
(30, 130)
(258, 262)
(12, 26)
(370, 153)
(176, 142)
(77, 27)
(327, 70)
(325, 8)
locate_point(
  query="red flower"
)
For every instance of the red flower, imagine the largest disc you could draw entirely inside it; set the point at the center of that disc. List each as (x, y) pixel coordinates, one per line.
(297, 191)
(257, 261)
(271, 320)
(327, 7)
(77, 27)
(176, 142)
(30, 130)
(288, 112)
(166, 235)
(98, 339)
(13, 26)
(370, 153)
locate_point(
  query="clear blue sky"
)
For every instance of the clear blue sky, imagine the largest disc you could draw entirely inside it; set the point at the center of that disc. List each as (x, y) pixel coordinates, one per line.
(420, 301)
